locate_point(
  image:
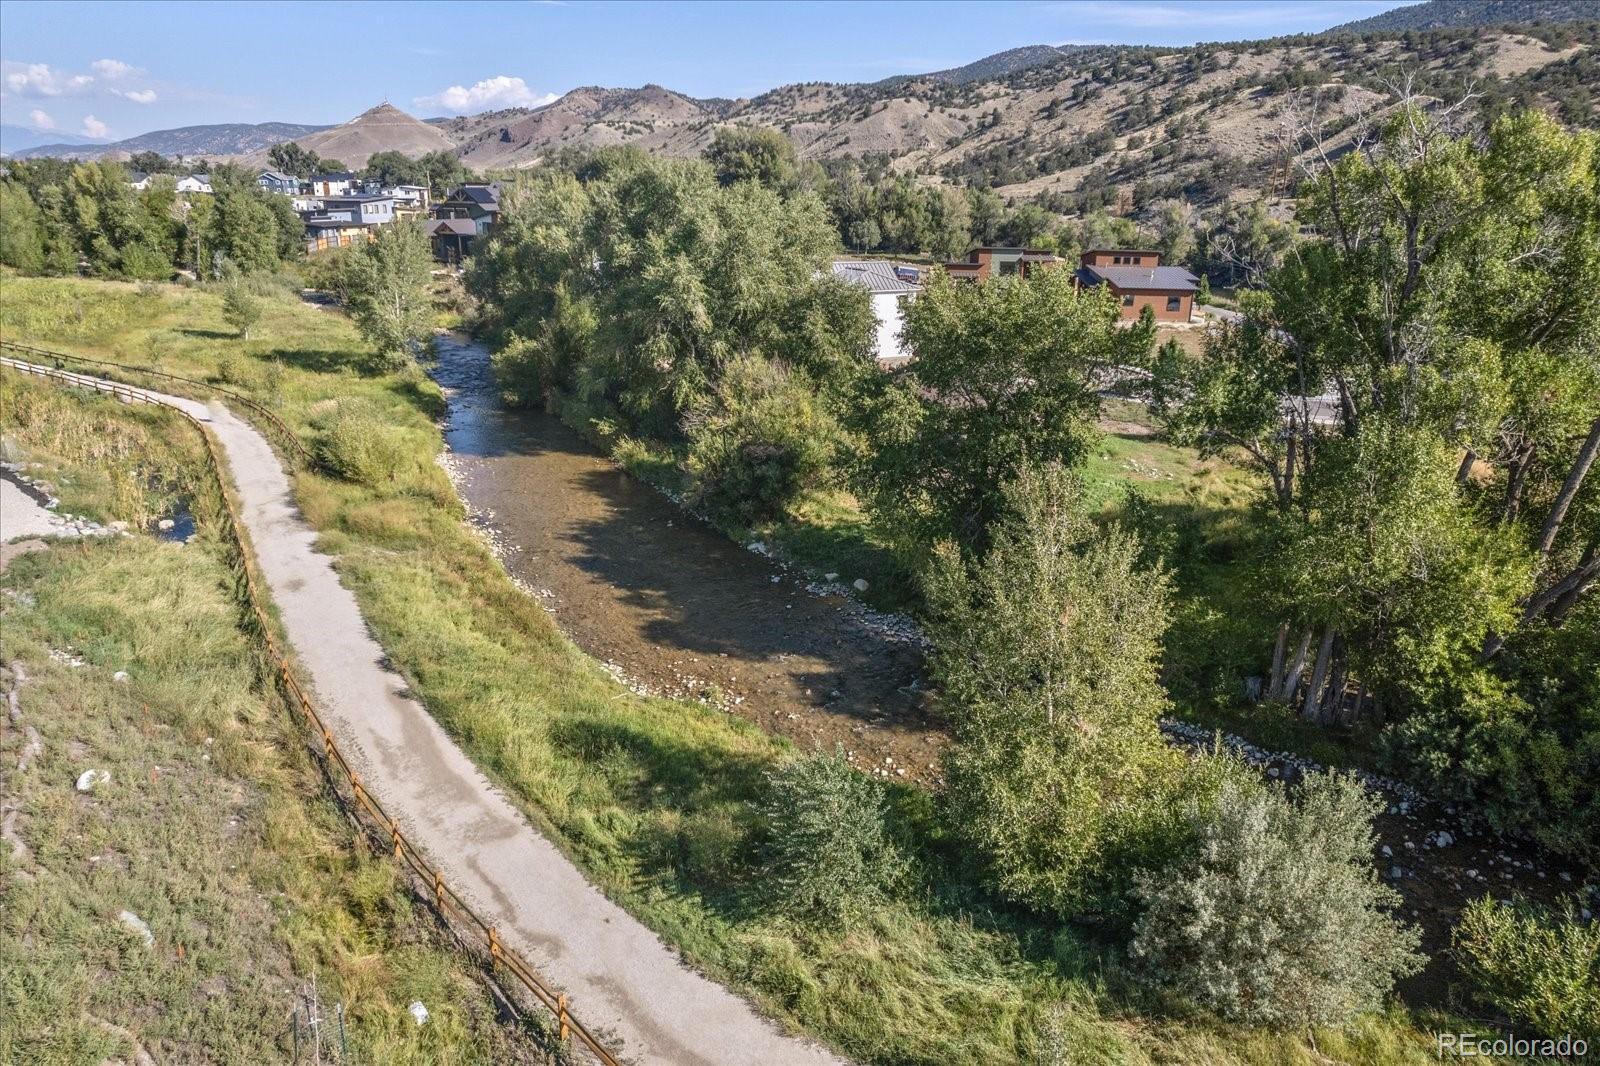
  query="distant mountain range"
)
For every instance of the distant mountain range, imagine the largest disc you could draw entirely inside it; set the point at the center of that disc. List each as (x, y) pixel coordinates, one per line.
(1068, 126)
(209, 142)
(15, 139)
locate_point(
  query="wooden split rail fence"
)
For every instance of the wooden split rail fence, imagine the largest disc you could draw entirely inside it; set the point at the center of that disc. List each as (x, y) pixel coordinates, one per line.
(429, 884)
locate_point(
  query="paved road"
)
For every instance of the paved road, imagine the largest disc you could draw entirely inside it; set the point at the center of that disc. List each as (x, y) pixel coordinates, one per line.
(623, 982)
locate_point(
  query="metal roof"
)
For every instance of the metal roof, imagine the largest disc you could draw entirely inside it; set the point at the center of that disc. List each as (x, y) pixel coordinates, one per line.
(1144, 279)
(460, 227)
(875, 274)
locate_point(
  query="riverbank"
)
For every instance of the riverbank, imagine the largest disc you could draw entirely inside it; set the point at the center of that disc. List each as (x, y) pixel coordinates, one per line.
(654, 798)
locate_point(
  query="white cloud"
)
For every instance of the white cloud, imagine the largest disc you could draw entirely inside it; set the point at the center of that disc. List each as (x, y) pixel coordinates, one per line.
(41, 120)
(138, 96)
(487, 95)
(39, 79)
(93, 127)
(112, 69)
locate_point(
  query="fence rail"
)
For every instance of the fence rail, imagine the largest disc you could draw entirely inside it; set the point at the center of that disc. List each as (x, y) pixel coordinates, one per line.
(277, 424)
(451, 907)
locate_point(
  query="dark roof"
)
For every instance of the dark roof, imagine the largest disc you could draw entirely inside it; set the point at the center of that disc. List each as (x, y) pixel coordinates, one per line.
(875, 274)
(459, 227)
(480, 194)
(1038, 257)
(1141, 279)
(277, 175)
(1121, 251)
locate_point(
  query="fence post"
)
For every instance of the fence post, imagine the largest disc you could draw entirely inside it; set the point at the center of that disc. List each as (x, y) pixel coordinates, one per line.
(561, 1014)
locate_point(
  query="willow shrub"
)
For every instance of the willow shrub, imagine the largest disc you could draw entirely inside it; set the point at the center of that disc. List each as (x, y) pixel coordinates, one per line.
(1277, 916)
(1539, 965)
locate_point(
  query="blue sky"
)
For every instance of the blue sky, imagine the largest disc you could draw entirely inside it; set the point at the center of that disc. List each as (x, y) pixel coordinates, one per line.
(117, 69)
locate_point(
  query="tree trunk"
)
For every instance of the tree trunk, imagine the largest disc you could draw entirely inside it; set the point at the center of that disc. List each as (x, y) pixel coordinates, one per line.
(1291, 680)
(1275, 678)
(1319, 674)
(1332, 709)
(1466, 466)
(1569, 489)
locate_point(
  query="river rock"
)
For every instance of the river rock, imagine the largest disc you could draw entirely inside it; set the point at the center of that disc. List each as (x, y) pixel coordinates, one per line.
(860, 584)
(418, 1012)
(121, 676)
(166, 525)
(90, 778)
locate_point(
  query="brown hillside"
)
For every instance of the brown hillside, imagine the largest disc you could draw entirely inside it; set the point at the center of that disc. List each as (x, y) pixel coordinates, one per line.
(383, 128)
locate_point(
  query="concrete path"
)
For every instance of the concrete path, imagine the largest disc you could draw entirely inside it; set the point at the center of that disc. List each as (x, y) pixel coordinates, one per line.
(623, 982)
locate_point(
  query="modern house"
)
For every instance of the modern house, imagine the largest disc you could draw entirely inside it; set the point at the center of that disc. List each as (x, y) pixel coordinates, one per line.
(324, 233)
(984, 263)
(451, 238)
(410, 199)
(478, 201)
(358, 210)
(890, 287)
(138, 179)
(275, 181)
(332, 184)
(1138, 280)
(192, 183)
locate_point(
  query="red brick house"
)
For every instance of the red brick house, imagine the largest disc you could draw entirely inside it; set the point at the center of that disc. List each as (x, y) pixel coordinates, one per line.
(983, 263)
(1138, 280)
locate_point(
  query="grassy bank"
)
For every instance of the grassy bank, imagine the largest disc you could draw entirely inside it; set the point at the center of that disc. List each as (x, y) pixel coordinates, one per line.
(653, 797)
(212, 827)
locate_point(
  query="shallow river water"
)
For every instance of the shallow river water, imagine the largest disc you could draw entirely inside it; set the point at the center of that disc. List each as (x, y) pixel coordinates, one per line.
(667, 601)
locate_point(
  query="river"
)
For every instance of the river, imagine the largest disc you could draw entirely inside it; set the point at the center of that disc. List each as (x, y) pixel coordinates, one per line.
(668, 602)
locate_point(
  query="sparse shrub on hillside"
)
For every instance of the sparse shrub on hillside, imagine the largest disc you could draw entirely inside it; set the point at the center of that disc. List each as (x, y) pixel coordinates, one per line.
(829, 854)
(1277, 917)
(1539, 965)
(240, 309)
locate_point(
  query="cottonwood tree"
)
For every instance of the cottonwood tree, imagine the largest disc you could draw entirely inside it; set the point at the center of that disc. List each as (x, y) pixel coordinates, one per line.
(1007, 376)
(386, 280)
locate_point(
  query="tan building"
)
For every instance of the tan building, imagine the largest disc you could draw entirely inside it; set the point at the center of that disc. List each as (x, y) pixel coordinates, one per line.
(1138, 280)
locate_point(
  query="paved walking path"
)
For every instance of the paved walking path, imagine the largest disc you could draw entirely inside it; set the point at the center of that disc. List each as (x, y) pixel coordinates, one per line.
(623, 982)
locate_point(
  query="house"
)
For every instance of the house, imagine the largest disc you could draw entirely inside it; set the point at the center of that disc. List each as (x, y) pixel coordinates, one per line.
(451, 238)
(138, 179)
(890, 287)
(193, 183)
(358, 210)
(277, 181)
(983, 263)
(337, 184)
(1138, 280)
(324, 233)
(478, 201)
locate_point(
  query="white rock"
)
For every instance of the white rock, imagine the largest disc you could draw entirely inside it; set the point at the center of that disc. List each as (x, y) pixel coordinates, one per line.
(136, 924)
(419, 1012)
(1388, 852)
(120, 676)
(860, 584)
(830, 577)
(166, 525)
(90, 778)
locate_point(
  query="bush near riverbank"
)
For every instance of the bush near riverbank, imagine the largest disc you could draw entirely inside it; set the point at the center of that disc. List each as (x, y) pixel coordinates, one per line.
(656, 799)
(212, 827)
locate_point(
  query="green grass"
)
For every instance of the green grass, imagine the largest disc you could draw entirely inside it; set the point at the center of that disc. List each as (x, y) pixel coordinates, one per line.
(653, 797)
(213, 827)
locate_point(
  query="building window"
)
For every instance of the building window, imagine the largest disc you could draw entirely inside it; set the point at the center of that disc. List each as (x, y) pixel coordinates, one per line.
(1138, 259)
(1127, 301)
(1174, 303)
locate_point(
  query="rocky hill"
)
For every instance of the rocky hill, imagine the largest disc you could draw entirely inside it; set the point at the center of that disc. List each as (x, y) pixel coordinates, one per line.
(379, 129)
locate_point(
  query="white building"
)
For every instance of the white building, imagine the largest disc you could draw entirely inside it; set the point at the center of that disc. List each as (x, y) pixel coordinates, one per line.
(194, 183)
(890, 286)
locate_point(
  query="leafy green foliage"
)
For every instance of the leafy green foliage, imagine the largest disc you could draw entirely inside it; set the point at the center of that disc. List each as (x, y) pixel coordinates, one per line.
(1277, 918)
(828, 856)
(758, 442)
(1007, 375)
(1539, 965)
(1046, 653)
(354, 442)
(750, 153)
(240, 309)
(386, 286)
